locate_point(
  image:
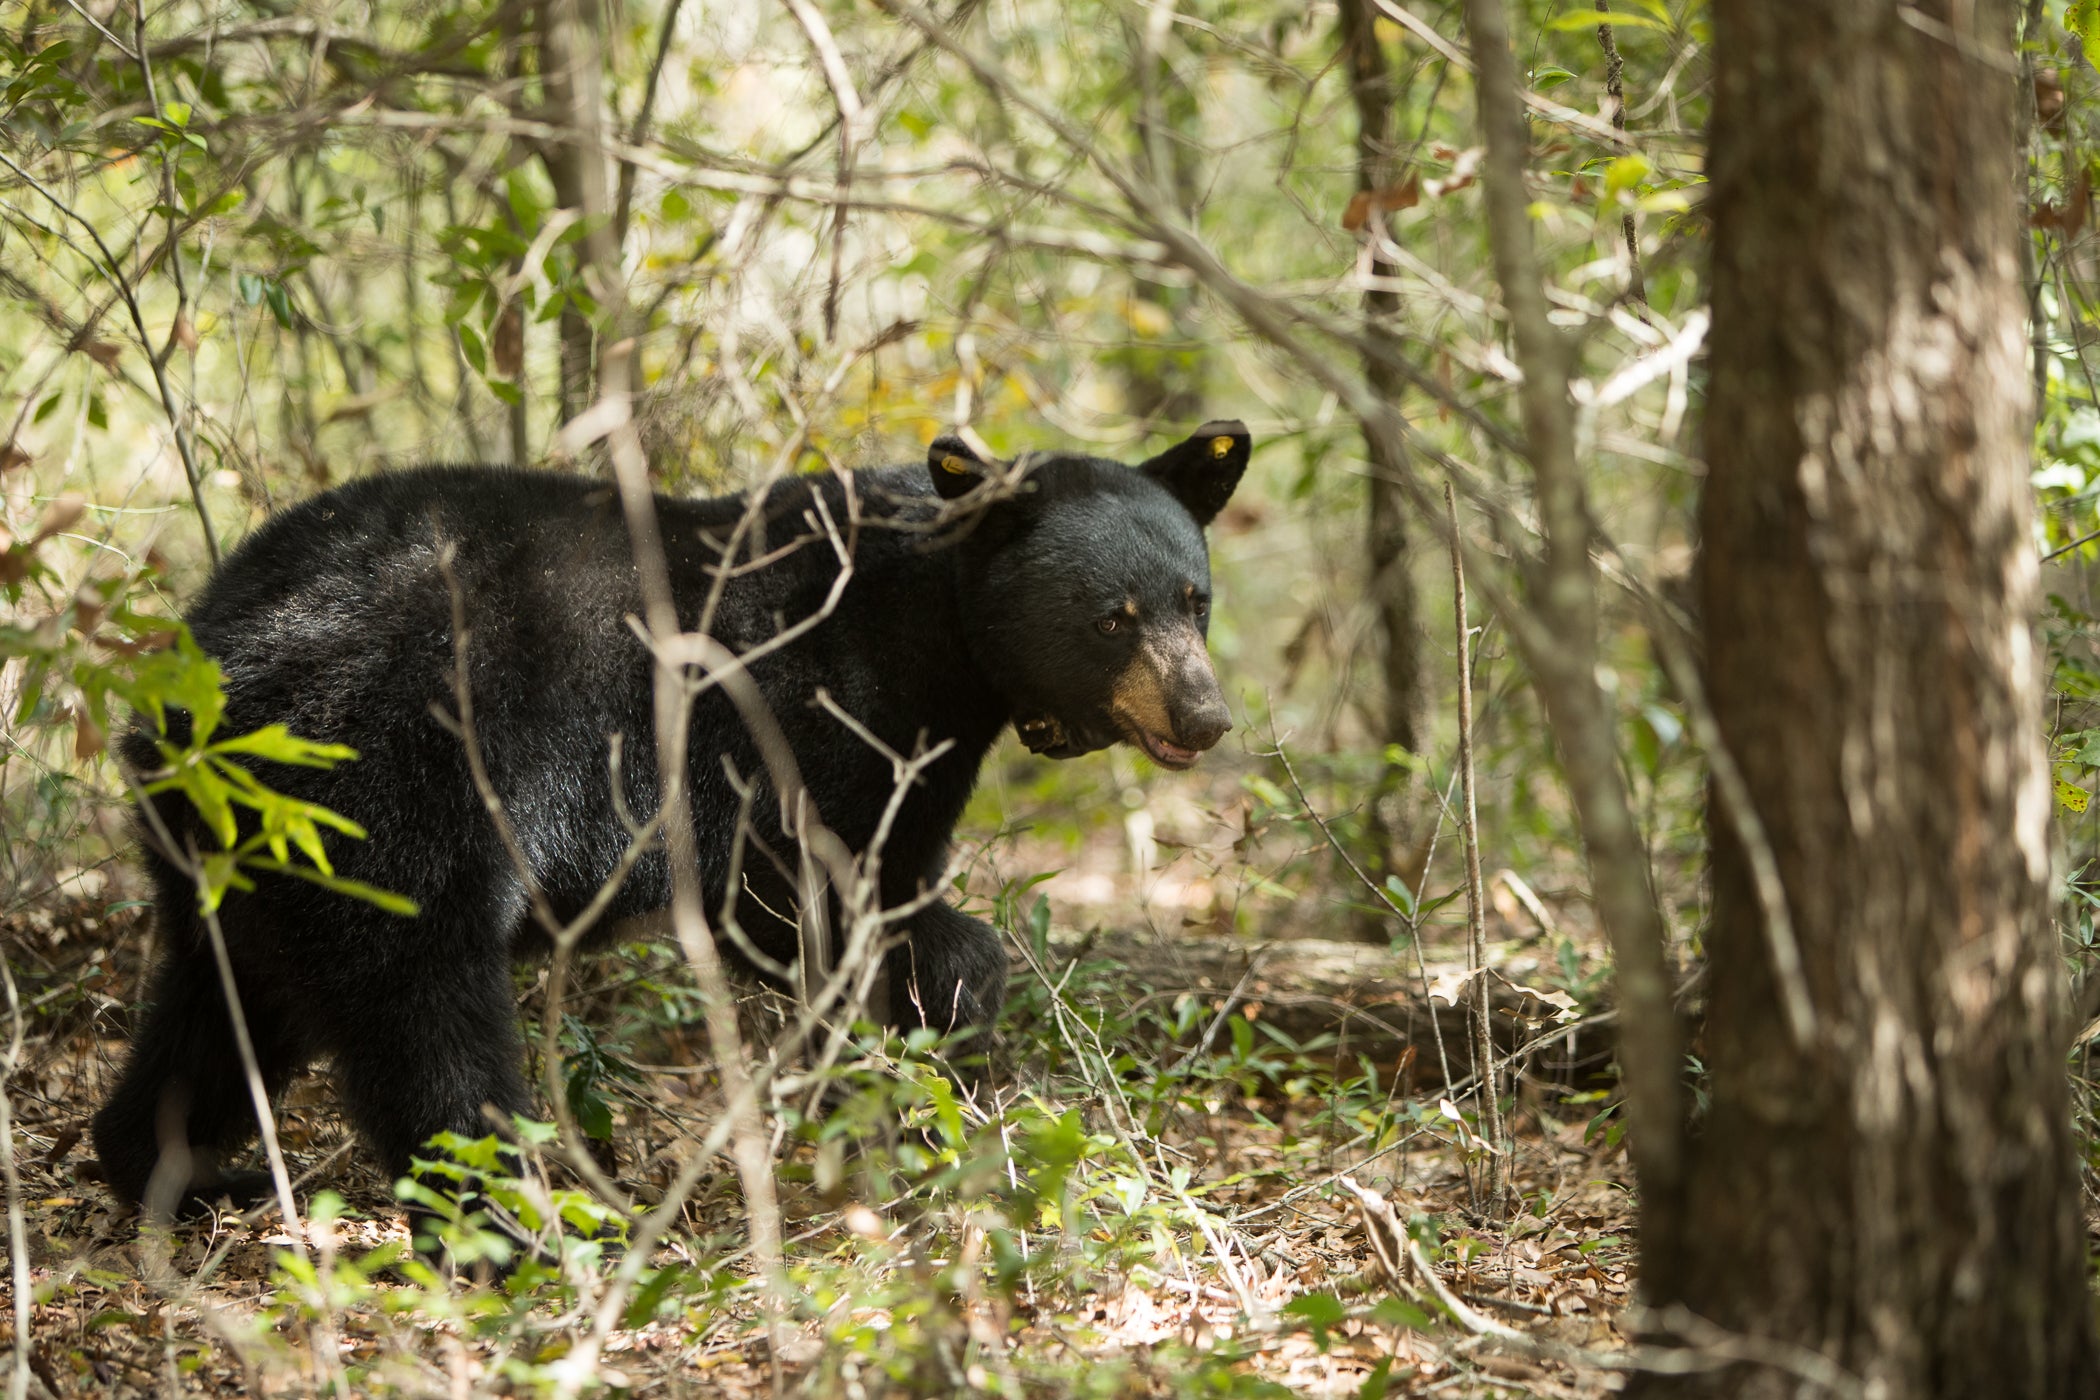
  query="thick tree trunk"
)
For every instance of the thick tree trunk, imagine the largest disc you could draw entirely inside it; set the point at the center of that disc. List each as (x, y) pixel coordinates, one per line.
(1897, 1190)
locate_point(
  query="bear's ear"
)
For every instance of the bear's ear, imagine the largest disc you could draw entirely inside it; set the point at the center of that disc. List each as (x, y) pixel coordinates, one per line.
(1202, 471)
(955, 467)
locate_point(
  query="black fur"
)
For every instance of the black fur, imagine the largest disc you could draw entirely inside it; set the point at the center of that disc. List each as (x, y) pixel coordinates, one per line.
(334, 620)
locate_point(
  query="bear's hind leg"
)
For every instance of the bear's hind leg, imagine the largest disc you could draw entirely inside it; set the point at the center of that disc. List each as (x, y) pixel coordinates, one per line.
(182, 1106)
(951, 975)
(430, 1055)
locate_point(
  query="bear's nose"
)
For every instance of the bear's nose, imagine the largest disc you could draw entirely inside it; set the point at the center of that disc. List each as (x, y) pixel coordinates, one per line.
(1201, 726)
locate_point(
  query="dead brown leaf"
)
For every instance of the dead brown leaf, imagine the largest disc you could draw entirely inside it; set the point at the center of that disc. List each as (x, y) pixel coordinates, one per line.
(103, 352)
(88, 738)
(2049, 100)
(359, 405)
(1404, 195)
(507, 342)
(2069, 217)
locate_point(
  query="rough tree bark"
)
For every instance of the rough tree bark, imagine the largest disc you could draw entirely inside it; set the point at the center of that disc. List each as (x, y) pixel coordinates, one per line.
(1896, 1190)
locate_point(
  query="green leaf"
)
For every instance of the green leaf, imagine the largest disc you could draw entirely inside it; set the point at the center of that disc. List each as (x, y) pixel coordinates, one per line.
(642, 1307)
(2083, 19)
(357, 889)
(280, 303)
(310, 845)
(1058, 1144)
(1624, 174)
(947, 1113)
(219, 873)
(1319, 1311)
(279, 745)
(212, 798)
(524, 199)
(593, 1113)
(1398, 1312)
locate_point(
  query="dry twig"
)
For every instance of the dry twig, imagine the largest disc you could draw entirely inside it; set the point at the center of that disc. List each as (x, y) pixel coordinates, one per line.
(1476, 897)
(1615, 89)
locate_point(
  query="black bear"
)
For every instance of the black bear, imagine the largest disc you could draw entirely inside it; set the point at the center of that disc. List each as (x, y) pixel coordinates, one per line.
(1066, 595)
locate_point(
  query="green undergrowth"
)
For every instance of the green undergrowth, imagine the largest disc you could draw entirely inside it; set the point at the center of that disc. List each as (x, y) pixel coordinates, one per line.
(938, 1241)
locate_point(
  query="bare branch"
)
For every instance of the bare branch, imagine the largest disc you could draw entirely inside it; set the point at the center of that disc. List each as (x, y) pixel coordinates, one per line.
(129, 294)
(17, 1227)
(1476, 896)
(1563, 593)
(853, 129)
(1615, 89)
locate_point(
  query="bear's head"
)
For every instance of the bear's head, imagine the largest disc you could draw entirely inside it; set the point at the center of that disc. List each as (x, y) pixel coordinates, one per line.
(1085, 591)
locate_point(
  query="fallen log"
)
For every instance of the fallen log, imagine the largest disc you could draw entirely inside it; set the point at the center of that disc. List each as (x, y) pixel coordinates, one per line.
(1332, 1002)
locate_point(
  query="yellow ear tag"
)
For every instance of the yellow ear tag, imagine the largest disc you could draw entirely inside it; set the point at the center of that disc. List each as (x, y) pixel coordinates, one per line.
(1220, 446)
(955, 464)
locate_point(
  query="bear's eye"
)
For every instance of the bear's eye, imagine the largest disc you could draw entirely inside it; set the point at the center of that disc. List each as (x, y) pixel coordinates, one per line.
(1110, 623)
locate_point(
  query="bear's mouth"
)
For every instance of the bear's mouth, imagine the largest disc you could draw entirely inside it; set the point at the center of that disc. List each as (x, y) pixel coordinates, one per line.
(1046, 735)
(1165, 752)
(1160, 749)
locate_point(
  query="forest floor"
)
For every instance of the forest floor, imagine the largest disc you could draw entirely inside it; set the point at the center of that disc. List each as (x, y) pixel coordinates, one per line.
(1212, 1243)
